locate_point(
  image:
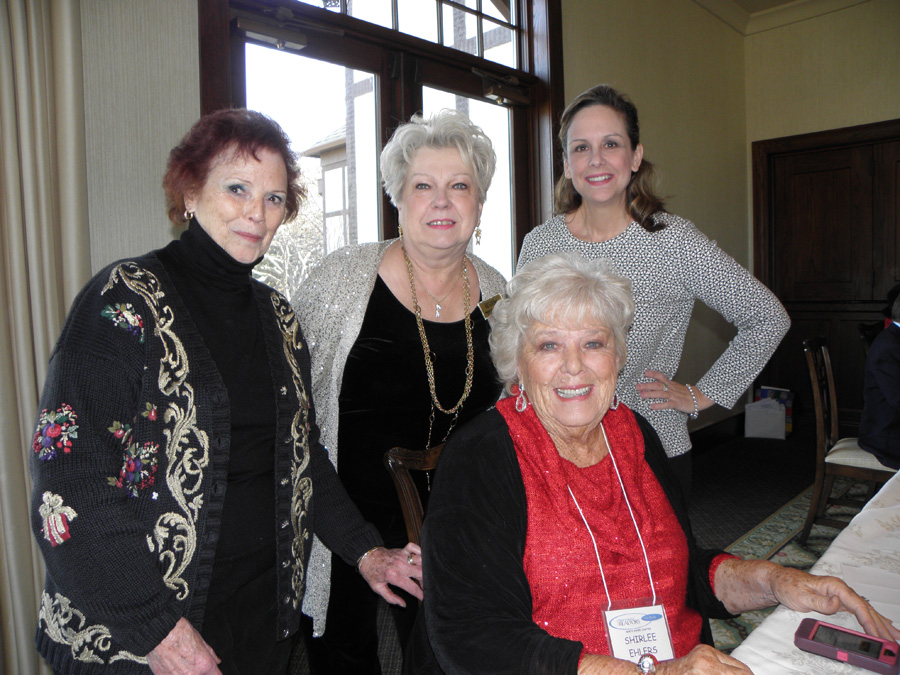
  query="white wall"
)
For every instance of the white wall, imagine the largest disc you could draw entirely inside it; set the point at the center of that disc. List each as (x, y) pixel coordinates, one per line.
(142, 93)
(837, 70)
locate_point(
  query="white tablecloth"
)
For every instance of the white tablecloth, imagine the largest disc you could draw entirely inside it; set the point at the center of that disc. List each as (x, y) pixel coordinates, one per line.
(867, 556)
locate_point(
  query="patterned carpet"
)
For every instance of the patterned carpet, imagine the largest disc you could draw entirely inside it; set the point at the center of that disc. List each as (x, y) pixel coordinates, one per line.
(774, 539)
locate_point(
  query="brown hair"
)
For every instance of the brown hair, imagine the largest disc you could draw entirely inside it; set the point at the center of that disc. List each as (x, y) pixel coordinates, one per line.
(641, 202)
(243, 132)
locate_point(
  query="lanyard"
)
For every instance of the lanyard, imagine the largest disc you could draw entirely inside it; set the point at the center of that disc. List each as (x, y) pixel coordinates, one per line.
(636, 528)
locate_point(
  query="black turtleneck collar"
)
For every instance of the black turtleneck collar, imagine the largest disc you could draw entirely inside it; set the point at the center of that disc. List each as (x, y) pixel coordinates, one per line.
(201, 257)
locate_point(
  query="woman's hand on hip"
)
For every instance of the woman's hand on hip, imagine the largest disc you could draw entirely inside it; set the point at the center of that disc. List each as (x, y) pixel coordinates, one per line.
(183, 652)
(668, 394)
(400, 567)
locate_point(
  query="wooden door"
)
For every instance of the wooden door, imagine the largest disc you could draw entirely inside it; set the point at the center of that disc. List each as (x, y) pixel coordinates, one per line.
(887, 217)
(823, 232)
(827, 235)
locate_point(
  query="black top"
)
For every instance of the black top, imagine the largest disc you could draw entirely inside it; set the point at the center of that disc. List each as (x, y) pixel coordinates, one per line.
(385, 401)
(879, 426)
(218, 293)
(478, 610)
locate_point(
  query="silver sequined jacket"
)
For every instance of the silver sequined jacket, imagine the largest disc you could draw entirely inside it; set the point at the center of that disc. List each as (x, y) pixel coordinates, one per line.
(669, 269)
(331, 304)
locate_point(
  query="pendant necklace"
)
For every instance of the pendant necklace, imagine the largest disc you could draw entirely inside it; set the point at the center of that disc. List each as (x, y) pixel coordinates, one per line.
(437, 303)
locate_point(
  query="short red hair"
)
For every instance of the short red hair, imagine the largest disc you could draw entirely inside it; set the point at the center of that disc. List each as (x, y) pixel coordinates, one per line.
(243, 132)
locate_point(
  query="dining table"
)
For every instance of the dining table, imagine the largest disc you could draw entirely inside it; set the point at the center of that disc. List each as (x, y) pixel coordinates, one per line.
(865, 554)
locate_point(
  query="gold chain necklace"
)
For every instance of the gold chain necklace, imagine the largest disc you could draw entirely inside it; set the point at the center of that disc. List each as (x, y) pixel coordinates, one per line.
(429, 365)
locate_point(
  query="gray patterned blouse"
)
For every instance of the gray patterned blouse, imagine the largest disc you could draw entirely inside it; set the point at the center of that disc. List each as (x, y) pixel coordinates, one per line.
(669, 269)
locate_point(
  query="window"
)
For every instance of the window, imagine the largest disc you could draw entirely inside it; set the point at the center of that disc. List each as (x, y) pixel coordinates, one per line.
(483, 28)
(340, 75)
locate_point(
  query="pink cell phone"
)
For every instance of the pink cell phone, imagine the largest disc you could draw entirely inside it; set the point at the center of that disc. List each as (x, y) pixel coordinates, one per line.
(849, 646)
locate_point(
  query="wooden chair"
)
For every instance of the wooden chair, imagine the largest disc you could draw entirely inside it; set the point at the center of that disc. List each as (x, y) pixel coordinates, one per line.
(835, 456)
(400, 462)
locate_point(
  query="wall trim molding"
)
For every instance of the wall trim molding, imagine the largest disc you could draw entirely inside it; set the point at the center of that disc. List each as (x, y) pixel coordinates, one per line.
(748, 23)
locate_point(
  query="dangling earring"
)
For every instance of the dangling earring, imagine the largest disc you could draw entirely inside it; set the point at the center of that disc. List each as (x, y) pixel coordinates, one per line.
(521, 401)
(615, 402)
(188, 216)
(400, 228)
(478, 234)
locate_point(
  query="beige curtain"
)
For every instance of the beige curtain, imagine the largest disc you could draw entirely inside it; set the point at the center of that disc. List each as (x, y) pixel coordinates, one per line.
(45, 251)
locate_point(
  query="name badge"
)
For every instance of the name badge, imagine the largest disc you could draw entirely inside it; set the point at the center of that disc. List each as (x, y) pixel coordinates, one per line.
(634, 631)
(487, 306)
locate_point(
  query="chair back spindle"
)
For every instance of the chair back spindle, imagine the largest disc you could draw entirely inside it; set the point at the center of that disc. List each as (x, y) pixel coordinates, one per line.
(835, 456)
(399, 462)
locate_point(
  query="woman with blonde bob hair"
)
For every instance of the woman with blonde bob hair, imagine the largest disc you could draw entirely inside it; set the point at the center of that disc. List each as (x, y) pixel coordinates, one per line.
(555, 517)
(448, 129)
(400, 357)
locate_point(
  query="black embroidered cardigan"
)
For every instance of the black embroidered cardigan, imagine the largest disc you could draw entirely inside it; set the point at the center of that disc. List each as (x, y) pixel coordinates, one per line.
(129, 460)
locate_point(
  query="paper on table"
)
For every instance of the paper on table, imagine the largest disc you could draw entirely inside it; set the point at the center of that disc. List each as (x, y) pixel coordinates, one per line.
(880, 587)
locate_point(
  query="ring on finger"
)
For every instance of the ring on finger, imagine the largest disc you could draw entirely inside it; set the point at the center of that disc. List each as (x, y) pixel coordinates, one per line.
(665, 387)
(409, 558)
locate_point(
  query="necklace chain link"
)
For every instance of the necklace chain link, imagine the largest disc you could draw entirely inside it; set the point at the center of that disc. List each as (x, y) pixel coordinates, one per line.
(429, 364)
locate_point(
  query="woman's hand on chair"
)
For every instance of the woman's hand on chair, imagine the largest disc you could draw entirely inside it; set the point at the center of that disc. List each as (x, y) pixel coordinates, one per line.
(400, 567)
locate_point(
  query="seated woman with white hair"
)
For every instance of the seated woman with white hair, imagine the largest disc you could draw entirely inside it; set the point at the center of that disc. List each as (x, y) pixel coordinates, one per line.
(557, 540)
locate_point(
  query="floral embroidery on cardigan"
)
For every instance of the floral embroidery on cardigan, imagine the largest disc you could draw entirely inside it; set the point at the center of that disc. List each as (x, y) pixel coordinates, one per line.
(124, 316)
(56, 518)
(174, 537)
(139, 460)
(55, 431)
(139, 464)
(120, 431)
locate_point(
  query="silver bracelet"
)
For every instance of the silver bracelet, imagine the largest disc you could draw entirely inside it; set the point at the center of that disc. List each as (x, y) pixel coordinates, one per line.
(363, 557)
(694, 415)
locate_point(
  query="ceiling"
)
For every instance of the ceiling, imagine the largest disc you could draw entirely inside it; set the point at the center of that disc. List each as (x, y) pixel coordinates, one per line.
(754, 16)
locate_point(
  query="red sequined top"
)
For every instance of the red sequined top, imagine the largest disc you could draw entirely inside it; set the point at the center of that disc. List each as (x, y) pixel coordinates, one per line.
(560, 561)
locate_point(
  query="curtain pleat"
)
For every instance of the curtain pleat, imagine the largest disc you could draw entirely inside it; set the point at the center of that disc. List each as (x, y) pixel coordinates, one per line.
(45, 260)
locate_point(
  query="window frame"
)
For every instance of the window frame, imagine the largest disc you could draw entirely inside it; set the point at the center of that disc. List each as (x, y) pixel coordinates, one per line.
(399, 58)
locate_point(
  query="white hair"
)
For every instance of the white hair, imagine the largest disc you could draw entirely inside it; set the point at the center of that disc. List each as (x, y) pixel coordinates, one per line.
(446, 129)
(561, 288)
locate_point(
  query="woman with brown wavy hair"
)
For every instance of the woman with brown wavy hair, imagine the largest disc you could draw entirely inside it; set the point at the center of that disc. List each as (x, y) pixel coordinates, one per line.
(606, 208)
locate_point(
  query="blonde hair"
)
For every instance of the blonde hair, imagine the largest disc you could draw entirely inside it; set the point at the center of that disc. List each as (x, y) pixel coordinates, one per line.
(446, 129)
